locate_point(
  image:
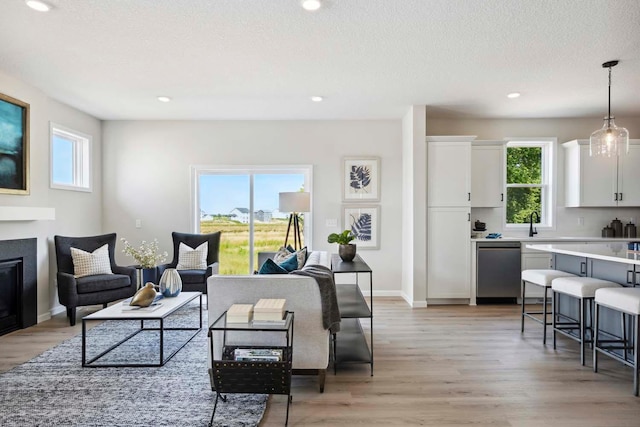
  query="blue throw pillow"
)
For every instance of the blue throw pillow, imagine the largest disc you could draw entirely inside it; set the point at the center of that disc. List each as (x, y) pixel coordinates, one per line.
(271, 267)
(289, 264)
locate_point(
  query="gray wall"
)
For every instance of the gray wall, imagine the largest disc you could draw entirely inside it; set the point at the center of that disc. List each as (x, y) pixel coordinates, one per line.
(77, 213)
(146, 175)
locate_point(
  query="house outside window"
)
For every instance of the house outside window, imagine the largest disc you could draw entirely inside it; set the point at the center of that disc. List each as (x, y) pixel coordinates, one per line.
(529, 173)
(70, 159)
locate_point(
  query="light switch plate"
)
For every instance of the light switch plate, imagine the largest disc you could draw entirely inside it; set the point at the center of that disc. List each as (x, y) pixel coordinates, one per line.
(138, 223)
(331, 222)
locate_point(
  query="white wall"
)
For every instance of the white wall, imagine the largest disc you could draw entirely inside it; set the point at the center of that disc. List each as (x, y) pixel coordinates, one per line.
(76, 213)
(414, 207)
(564, 129)
(146, 175)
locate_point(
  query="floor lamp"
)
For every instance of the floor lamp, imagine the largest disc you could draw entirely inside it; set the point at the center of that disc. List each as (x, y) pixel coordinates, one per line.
(295, 203)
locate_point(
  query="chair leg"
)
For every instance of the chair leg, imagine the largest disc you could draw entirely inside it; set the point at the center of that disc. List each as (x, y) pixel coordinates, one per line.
(636, 356)
(596, 309)
(554, 308)
(522, 287)
(71, 314)
(582, 330)
(544, 316)
(105, 305)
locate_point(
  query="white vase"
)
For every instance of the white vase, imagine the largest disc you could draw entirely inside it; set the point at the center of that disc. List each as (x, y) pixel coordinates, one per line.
(170, 283)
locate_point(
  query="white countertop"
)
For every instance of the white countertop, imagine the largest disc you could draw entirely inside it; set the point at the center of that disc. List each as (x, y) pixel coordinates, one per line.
(557, 239)
(616, 252)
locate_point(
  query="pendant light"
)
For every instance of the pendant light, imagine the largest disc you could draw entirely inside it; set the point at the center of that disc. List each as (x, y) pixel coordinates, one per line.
(611, 139)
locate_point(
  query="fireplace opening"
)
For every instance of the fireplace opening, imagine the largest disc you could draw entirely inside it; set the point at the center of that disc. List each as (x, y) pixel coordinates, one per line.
(18, 284)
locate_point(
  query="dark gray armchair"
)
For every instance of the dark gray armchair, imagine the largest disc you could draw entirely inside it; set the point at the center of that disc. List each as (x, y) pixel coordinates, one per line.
(195, 280)
(89, 290)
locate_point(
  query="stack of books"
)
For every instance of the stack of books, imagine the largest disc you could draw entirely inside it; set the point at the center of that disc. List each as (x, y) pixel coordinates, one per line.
(257, 355)
(269, 312)
(240, 313)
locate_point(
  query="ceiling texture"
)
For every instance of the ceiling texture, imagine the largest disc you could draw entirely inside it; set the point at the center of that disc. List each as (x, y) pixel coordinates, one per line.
(370, 59)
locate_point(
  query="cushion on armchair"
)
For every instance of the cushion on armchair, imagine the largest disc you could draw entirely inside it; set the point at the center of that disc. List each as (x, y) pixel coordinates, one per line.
(91, 263)
(192, 276)
(192, 259)
(102, 282)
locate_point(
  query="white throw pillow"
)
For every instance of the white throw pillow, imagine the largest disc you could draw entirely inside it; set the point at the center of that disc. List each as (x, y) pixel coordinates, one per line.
(88, 264)
(192, 259)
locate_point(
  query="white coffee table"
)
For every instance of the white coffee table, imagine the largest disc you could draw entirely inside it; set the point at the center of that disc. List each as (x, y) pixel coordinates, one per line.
(115, 312)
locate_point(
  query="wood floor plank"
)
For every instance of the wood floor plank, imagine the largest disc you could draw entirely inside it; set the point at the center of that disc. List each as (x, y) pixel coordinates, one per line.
(436, 366)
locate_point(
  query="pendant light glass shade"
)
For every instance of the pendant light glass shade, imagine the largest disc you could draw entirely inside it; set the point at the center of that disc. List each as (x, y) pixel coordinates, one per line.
(611, 139)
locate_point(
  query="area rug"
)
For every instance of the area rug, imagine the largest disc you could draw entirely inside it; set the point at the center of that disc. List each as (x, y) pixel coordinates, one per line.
(54, 390)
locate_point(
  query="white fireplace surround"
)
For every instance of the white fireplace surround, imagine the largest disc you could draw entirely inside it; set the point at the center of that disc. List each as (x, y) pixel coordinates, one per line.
(26, 213)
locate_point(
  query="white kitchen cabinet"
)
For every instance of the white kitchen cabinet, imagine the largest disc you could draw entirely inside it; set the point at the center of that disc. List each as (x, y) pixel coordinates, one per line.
(601, 181)
(448, 253)
(487, 174)
(449, 171)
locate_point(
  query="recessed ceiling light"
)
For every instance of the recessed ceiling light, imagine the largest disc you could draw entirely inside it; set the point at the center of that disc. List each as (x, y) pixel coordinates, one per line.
(311, 4)
(513, 95)
(317, 98)
(164, 99)
(38, 5)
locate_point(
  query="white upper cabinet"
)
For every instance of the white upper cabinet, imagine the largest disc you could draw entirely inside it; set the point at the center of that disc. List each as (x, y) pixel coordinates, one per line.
(449, 171)
(487, 174)
(601, 181)
(629, 177)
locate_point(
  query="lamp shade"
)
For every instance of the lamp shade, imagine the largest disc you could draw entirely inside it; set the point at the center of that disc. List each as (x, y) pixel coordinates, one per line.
(609, 141)
(295, 202)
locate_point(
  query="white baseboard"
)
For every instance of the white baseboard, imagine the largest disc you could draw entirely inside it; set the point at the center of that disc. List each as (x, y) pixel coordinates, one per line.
(44, 317)
(413, 304)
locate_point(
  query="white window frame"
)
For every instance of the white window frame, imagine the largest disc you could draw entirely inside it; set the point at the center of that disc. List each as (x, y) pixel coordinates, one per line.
(196, 171)
(548, 184)
(82, 166)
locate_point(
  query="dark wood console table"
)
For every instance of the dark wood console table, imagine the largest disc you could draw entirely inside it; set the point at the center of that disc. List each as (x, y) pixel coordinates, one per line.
(350, 344)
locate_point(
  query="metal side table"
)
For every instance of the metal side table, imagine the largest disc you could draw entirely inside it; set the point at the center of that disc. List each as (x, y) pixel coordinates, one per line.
(350, 344)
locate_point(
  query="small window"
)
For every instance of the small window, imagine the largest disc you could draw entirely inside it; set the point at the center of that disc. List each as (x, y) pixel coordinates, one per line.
(528, 184)
(70, 159)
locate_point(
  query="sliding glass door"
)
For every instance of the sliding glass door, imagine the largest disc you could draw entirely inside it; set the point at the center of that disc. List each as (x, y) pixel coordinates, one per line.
(242, 202)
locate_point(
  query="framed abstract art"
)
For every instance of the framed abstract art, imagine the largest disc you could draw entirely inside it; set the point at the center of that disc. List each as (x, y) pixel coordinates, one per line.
(14, 146)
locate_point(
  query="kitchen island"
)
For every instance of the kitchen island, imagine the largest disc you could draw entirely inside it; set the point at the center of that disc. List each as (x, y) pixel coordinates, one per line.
(608, 261)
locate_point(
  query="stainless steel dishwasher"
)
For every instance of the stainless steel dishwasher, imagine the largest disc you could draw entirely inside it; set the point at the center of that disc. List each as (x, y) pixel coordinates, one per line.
(498, 272)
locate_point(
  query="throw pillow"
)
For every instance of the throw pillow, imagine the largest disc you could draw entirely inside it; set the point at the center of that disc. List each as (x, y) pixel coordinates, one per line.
(283, 254)
(90, 263)
(290, 263)
(192, 259)
(271, 267)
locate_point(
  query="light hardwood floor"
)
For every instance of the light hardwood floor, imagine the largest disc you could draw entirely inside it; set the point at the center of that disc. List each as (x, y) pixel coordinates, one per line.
(439, 366)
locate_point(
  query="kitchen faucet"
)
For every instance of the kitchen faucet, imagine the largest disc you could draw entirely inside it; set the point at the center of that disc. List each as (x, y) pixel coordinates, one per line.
(532, 230)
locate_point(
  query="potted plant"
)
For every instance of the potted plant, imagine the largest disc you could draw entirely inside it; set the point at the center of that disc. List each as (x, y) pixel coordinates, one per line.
(346, 250)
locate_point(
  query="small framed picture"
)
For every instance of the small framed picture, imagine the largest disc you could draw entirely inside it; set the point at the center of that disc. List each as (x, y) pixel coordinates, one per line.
(364, 223)
(361, 179)
(14, 146)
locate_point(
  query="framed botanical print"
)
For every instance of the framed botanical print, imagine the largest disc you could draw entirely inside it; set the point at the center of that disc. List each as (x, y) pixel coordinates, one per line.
(364, 223)
(361, 179)
(14, 146)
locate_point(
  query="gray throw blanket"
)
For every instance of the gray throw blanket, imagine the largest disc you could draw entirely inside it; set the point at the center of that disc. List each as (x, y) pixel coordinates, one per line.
(330, 311)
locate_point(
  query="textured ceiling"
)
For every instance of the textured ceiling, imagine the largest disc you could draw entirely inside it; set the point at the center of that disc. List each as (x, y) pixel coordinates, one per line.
(371, 59)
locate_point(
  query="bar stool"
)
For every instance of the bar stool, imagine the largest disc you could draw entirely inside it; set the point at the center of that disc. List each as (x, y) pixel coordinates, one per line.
(584, 290)
(626, 301)
(540, 278)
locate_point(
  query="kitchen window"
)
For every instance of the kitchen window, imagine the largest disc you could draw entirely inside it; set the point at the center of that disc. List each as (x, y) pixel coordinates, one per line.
(70, 160)
(529, 172)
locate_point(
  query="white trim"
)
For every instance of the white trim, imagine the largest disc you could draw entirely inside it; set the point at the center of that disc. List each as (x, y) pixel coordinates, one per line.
(196, 170)
(549, 181)
(82, 162)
